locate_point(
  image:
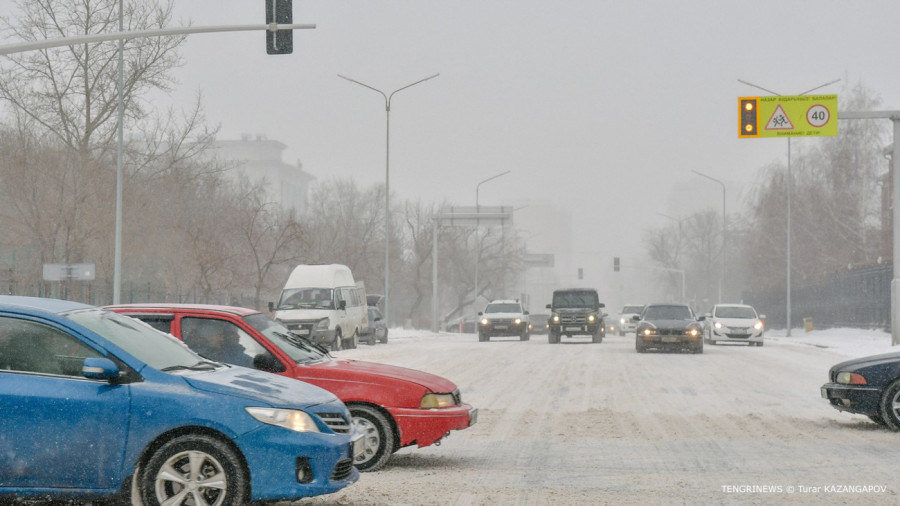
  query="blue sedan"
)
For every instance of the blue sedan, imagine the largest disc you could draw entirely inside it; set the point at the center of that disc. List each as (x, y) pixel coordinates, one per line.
(868, 386)
(99, 406)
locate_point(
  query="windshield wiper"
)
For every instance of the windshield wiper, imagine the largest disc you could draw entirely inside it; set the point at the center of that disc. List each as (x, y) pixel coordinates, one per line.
(203, 365)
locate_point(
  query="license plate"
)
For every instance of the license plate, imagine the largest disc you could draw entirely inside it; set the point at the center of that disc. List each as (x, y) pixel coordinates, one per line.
(669, 339)
(573, 328)
(301, 332)
(500, 327)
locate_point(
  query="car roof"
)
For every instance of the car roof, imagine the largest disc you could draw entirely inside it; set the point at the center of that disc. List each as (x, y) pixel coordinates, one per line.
(235, 310)
(667, 304)
(733, 305)
(504, 301)
(42, 304)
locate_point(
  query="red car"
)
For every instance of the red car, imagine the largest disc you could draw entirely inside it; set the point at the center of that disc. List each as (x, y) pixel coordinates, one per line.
(394, 406)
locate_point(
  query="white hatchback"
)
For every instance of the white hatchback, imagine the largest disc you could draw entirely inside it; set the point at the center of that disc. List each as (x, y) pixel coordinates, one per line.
(735, 323)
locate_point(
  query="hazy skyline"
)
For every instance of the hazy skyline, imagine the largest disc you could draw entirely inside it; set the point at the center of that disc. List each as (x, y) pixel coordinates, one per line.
(602, 107)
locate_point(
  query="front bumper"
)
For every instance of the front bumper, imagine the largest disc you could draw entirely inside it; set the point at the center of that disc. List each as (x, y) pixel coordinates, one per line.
(575, 329)
(272, 455)
(425, 427)
(499, 329)
(860, 399)
(670, 340)
(309, 331)
(736, 335)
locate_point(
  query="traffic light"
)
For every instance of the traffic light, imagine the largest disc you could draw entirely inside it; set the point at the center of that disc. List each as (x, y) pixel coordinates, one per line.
(281, 12)
(748, 117)
(616, 264)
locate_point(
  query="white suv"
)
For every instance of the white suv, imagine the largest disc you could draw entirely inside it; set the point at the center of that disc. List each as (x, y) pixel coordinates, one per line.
(503, 318)
(626, 323)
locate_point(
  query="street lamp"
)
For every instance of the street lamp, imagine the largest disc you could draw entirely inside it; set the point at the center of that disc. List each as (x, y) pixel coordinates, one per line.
(477, 210)
(387, 184)
(789, 191)
(724, 229)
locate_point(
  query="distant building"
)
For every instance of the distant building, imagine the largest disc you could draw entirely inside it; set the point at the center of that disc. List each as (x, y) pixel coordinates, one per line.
(260, 159)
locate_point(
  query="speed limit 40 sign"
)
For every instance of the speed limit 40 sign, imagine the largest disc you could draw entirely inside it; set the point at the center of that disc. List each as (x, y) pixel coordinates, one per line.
(788, 116)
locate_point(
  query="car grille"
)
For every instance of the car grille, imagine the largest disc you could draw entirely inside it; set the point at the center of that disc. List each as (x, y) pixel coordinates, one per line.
(307, 326)
(671, 332)
(336, 422)
(572, 319)
(342, 470)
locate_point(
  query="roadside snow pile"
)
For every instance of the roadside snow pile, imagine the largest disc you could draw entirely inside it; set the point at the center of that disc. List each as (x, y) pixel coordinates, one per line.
(842, 341)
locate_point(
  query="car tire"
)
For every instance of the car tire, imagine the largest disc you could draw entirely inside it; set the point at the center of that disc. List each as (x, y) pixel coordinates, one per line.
(338, 342)
(552, 337)
(524, 336)
(195, 453)
(378, 436)
(353, 342)
(877, 419)
(639, 345)
(621, 333)
(890, 406)
(597, 338)
(698, 348)
(384, 339)
(483, 337)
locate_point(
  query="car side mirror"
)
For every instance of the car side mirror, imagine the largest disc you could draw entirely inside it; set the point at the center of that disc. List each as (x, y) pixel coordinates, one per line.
(271, 307)
(636, 318)
(100, 368)
(342, 305)
(601, 305)
(549, 306)
(526, 312)
(762, 317)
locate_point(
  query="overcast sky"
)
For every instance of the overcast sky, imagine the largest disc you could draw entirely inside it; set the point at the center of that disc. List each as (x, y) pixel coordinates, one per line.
(604, 107)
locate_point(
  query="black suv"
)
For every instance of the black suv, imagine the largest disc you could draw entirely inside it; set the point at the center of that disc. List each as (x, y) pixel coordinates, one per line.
(576, 311)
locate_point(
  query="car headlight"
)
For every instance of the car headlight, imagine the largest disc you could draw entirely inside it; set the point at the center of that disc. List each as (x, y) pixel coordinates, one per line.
(591, 318)
(693, 331)
(850, 378)
(291, 419)
(758, 325)
(555, 318)
(622, 321)
(430, 401)
(485, 321)
(648, 331)
(717, 325)
(518, 321)
(323, 323)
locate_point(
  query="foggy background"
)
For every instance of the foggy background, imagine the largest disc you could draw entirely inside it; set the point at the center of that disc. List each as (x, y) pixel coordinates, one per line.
(600, 109)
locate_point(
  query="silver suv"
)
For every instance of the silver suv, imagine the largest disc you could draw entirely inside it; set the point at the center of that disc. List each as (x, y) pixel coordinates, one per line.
(503, 318)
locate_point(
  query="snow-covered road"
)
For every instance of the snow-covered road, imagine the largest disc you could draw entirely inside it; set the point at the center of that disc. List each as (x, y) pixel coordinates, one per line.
(582, 423)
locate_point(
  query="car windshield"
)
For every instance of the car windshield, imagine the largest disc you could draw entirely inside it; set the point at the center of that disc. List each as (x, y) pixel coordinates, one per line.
(575, 299)
(307, 298)
(511, 307)
(297, 347)
(632, 310)
(667, 313)
(154, 348)
(735, 312)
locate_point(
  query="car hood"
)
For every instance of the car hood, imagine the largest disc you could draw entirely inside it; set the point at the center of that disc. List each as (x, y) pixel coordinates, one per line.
(736, 322)
(372, 372)
(302, 314)
(859, 363)
(670, 324)
(249, 383)
(575, 310)
(502, 315)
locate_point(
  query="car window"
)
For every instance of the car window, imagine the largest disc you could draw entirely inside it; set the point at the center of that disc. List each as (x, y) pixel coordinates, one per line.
(307, 298)
(220, 340)
(33, 347)
(154, 348)
(298, 348)
(575, 299)
(667, 313)
(735, 312)
(503, 308)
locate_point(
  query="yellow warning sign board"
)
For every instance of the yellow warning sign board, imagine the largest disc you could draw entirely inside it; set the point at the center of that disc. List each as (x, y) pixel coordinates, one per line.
(788, 116)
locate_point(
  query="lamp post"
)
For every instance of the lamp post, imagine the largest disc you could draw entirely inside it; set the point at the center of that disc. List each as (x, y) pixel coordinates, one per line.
(788, 217)
(387, 185)
(724, 229)
(477, 210)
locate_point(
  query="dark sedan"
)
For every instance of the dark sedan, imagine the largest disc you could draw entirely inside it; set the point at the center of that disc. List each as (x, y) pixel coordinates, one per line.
(668, 326)
(867, 386)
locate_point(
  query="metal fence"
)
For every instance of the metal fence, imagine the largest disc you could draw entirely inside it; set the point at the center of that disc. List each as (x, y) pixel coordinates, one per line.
(859, 297)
